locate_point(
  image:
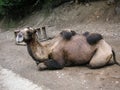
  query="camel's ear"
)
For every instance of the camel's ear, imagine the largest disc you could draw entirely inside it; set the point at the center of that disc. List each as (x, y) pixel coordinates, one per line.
(29, 29)
(36, 30)
(15, 32)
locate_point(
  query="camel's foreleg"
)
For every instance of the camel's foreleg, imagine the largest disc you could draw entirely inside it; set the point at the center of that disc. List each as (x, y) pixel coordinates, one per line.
(49, 64)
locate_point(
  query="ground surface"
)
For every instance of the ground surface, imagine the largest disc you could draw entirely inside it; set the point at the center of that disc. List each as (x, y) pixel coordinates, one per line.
(16, 59)
(19, 72)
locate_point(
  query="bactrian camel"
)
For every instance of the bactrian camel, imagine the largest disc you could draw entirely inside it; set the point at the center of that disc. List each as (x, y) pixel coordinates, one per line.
(67, 49)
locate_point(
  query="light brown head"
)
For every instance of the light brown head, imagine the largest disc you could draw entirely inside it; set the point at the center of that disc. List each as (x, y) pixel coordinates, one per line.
(25, 34)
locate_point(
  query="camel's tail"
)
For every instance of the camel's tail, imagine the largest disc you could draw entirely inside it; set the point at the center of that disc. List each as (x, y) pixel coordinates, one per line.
(67, 34)
(114, 58)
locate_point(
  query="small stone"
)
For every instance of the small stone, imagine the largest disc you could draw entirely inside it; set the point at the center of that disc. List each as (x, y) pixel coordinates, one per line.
(116, 82)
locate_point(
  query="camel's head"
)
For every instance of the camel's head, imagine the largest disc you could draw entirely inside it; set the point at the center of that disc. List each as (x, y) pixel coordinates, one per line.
(25, 34)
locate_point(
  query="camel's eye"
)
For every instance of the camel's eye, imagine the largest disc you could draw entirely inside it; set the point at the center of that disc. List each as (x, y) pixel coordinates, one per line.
(29, 33)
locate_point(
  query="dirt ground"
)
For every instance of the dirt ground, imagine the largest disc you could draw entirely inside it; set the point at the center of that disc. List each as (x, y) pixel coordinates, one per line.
(17, 59)
(96, 18)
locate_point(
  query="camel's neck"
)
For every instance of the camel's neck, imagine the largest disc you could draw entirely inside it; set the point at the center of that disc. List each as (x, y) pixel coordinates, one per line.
(35, 49)
(32, 48)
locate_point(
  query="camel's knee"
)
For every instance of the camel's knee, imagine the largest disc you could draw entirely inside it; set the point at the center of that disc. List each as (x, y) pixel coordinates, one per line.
(50, 64)
(41, 66)
(101, 62)
(95, 65)
(97, 62)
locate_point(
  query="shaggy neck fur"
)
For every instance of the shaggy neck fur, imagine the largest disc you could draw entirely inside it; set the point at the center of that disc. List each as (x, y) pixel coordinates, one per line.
(36, 50)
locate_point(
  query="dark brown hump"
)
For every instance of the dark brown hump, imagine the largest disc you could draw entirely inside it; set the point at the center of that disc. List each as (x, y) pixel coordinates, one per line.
(67, 34)
(94, 38)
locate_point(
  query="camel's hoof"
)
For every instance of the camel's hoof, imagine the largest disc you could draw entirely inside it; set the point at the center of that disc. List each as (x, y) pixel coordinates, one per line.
(41, 66)
(90, 66)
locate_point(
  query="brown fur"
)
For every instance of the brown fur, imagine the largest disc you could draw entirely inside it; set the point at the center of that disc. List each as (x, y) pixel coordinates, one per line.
(76, 51)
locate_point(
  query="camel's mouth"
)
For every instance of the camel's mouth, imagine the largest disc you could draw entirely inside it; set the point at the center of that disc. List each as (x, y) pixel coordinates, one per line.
(19, 37)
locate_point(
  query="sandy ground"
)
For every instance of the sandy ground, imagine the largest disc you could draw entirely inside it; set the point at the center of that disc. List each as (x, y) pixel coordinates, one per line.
(16, 59)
